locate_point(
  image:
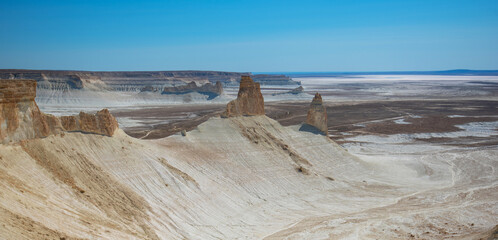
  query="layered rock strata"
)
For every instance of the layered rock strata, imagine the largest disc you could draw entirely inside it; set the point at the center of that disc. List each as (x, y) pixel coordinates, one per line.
(132, 81)
(207, 89)
(20, 117)
(101, 123)
(317, 114)
(249, 100)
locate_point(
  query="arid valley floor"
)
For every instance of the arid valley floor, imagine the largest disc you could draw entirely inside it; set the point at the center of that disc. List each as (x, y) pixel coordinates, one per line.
(406, 157)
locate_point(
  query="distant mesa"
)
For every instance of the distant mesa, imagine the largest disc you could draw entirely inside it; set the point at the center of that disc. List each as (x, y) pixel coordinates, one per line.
(316, 120)
(249, 100)
(294, 91)
(273, 79)
(208, 89)
(20, 117)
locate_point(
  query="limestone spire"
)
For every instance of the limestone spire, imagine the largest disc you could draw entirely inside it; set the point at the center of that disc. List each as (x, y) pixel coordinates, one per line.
(249, 100)
(317, 114)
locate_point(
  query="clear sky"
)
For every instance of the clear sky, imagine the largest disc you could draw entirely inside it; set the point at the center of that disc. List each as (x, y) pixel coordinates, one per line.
(253, 35)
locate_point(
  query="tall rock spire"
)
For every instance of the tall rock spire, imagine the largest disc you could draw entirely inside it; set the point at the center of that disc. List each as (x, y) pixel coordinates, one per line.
(317, 114)
(249, 101)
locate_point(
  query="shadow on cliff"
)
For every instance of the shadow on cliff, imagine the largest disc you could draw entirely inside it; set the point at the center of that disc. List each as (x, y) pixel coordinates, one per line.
(308, 128)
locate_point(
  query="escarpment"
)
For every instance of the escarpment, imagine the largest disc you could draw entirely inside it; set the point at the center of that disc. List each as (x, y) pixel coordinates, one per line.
(20, 117)
(207, 89)
(317, 114)
(133, 81)
(249, 100)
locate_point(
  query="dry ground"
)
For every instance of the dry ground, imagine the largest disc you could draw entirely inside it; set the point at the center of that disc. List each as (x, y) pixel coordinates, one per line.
(354, 117)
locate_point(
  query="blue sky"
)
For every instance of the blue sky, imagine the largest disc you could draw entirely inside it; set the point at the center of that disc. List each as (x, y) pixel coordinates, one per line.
(257, 36)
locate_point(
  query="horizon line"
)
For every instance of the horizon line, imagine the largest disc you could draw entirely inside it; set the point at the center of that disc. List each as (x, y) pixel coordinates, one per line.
(264, 72)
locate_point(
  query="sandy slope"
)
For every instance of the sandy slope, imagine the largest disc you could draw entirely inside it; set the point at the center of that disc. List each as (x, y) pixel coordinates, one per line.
(245, 177)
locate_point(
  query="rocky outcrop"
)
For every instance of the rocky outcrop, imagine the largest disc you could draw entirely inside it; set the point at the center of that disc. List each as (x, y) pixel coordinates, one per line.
(249, 100)
(317, 115)
(20, 117)
(101, 123)
(208, 89)
(294, 91)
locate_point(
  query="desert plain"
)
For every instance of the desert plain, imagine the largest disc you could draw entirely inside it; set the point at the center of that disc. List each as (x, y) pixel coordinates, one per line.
(404, 157)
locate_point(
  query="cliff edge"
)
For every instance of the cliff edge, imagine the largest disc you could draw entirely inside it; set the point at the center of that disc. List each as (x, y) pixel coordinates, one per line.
(20, 117)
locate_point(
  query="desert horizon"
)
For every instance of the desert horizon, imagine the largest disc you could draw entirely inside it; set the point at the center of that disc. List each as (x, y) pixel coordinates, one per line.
(399, 132)
(269, 120)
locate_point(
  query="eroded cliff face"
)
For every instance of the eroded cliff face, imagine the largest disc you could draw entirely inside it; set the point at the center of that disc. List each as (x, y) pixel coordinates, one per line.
(20, 117)
(317, 114)
(211, 90)
(249, 100)
(100, 123)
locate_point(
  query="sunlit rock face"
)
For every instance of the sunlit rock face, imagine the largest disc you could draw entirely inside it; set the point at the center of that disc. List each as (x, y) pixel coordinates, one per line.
(249, 100)
(20, 117)
(317, 114)
(101, 123)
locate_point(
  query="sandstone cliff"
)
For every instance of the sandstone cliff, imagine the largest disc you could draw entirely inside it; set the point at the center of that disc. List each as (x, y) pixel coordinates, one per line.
(317, 114)
(249, 100)
(20, 117)
(101, 123)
